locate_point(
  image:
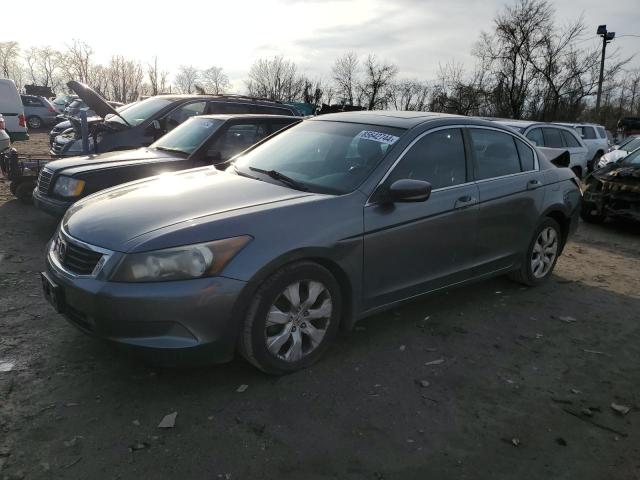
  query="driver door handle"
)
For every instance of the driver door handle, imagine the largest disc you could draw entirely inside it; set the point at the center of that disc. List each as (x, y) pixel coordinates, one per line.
(465, 201)
(533, 184)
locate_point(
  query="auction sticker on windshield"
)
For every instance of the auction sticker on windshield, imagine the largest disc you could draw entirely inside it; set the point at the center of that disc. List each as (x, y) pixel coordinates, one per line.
(378, 137)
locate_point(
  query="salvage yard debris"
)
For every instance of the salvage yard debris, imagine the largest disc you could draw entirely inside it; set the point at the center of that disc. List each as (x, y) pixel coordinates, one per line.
(169, 421)
(620, 409)
(439, 361)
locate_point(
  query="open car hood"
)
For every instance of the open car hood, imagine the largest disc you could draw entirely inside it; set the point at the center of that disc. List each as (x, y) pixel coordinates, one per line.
(92, 98)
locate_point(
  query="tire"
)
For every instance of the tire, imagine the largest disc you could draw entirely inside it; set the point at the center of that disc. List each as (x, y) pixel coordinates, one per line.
(291, 329)
(526, 273)
(594, 161)
(34, 122)
(24, 192)
(586, 213)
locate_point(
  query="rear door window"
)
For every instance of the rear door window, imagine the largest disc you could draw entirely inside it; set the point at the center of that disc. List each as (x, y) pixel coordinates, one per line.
(553, 138)
(588, 133)
(569, 139)
(496, 154)
(527, 160)
(535, 136)
(236, 139)
(182, 113)
(601, 132)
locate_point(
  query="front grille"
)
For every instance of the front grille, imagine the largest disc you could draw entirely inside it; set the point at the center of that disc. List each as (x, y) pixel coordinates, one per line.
(44, 181)
(76, 259)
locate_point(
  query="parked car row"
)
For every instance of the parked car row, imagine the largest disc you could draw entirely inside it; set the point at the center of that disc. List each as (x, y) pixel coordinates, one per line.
(142, 123)
(264, 233)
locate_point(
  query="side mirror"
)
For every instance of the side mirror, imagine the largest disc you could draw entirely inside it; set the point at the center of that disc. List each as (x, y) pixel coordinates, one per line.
(533, 142)
(156, 125)
(408, 190)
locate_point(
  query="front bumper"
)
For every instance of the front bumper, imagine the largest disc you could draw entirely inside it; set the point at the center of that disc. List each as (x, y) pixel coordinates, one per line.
(172, 323)
(49, 205)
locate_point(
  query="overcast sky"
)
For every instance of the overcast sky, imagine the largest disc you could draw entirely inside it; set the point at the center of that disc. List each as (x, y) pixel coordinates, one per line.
(417, 35)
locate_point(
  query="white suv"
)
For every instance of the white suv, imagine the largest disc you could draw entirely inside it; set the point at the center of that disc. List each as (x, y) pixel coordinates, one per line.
(594, 137)
(551, 135)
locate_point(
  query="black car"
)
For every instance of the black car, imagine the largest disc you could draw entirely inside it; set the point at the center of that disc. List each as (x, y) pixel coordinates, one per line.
(613, 191)
(200, 141)
(146, 121)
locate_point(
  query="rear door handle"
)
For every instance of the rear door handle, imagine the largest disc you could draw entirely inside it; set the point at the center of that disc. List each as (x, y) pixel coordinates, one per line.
(465, 201)
(533, 184)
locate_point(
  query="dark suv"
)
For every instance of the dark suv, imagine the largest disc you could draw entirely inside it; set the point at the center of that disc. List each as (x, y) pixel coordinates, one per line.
(146, 121)
(200, 141)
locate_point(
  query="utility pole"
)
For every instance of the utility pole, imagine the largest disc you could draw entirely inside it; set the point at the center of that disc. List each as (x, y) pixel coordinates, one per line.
(606, 38)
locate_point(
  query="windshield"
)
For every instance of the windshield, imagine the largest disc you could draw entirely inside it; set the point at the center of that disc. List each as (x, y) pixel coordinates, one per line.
(322, 156)
(187, 137)
(632, 145)
(141, 111)
(632, 159)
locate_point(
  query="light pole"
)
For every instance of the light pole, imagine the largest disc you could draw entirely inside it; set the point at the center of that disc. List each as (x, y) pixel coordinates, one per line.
(606, 38)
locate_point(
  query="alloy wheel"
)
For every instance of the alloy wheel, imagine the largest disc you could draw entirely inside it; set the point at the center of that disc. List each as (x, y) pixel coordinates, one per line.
(298, 320)
(34, 122)
(545, 251)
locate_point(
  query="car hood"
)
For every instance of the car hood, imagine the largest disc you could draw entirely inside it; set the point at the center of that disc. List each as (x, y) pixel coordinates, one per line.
(113, 217)
(92, 98)
(109, 160)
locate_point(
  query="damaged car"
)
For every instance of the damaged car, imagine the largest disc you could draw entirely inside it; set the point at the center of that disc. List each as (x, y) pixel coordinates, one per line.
(613, 191)
(332, 220)
(200, 141)
(146, 121)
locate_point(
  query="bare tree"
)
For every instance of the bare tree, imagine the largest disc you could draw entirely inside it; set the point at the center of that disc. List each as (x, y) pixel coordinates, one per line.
(518, 30)
(345, 74)
(43, 66)
(125, 79)
(77, 61)
(276, 79)
(187, 78)
(215, 81)
(157, 79)
(9, 59)
(408, 95)
(377, 77)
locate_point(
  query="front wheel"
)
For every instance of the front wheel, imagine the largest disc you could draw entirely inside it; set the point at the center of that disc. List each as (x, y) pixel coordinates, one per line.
(541, 255)
(292, 319)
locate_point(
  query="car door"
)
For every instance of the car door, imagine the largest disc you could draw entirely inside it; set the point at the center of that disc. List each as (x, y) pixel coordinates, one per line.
(508, 181)
(412, 248)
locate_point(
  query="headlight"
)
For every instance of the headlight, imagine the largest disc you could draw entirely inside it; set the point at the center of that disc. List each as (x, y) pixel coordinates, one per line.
(68, 187)
(179, 263)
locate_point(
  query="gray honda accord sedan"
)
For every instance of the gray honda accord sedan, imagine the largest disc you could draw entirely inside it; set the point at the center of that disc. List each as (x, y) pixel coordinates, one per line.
(334, 219)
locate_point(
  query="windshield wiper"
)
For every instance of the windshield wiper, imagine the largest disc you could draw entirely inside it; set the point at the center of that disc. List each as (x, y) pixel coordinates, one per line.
(281, 177)
(169, 149)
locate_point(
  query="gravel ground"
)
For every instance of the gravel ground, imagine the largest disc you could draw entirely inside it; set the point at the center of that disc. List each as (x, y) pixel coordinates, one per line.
(506, 374)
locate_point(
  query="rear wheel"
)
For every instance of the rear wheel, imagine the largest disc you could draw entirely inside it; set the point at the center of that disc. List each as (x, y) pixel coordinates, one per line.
(541, 255)
(34, 122)
(292, 319)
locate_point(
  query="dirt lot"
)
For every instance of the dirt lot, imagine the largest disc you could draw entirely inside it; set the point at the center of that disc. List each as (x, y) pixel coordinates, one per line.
(516, 361)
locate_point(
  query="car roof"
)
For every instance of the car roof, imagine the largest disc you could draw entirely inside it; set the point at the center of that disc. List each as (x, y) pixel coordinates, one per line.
(230, 116)
(235, 98)
(398, 119)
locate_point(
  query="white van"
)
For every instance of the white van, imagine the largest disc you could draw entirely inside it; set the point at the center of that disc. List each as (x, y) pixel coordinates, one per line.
(12, 110)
